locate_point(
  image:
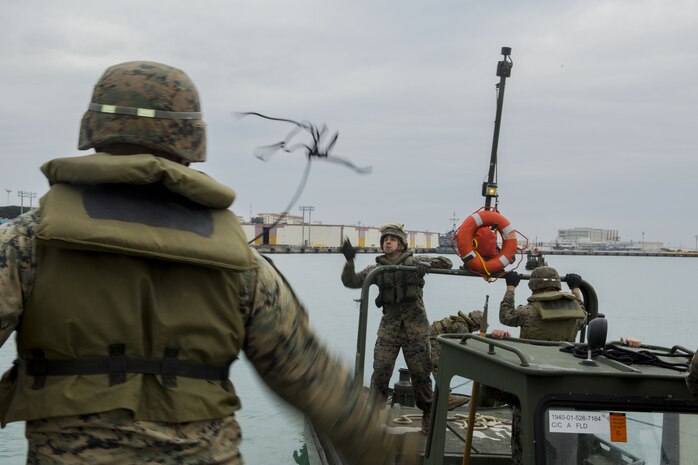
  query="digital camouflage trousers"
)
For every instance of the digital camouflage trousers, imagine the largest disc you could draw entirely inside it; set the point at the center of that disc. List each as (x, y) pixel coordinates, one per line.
(417, 356)
(114, 438)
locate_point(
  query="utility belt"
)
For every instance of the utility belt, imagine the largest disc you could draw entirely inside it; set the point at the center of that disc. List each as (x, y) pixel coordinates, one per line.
(117, 365)
(380, 302)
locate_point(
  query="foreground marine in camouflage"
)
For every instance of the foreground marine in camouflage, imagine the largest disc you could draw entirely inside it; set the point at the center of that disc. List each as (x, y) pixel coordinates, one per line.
(404, 323)
(132, 290)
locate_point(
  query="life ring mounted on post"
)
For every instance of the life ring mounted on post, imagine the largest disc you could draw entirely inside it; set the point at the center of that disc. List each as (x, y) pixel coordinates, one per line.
(468, 252)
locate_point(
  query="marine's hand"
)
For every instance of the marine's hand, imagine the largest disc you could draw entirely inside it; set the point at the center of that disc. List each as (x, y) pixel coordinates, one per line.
(500, 333)
(513, 278)
(422, 268)
(631, 341)
(573, 280)
(348, 250)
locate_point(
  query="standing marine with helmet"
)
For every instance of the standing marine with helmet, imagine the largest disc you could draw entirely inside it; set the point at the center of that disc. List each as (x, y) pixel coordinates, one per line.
(550, 315)
(132, 290)
(404, 323)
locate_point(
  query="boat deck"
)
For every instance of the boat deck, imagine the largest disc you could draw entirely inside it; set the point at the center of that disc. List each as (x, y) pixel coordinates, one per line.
(491, 441)
(491, 438)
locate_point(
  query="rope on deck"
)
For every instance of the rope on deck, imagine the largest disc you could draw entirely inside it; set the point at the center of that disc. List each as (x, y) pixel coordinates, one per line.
(481, 421)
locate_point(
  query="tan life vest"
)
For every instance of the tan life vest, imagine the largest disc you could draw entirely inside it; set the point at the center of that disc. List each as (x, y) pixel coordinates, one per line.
(396, 287)
(454, 323)
(558, 316)
(136, 289)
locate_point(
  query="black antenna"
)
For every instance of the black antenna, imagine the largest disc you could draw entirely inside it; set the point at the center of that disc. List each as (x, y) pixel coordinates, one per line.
(453, 219)
(489, 188)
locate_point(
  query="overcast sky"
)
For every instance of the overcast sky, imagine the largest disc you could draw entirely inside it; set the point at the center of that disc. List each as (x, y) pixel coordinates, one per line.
(599, 124)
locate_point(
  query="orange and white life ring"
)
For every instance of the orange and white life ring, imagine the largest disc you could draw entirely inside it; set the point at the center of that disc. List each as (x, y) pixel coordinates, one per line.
(464, 241)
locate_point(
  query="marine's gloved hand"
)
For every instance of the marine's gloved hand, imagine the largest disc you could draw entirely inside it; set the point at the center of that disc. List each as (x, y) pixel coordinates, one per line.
(573, 280)
(422, 268)
(513, 278)
(348, 250)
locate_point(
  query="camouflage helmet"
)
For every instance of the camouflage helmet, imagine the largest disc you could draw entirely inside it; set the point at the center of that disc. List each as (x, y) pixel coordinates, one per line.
(149, 104)
(478, 317)
(474, 319)
(394, 229)
(544, 278)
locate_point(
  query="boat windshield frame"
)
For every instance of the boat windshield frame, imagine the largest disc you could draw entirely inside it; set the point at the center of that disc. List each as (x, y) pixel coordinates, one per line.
(625, 406)
(542, 375)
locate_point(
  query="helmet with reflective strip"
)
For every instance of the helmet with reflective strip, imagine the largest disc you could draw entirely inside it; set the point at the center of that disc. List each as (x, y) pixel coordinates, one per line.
(544, 278)
(394, 229)
(149, 104)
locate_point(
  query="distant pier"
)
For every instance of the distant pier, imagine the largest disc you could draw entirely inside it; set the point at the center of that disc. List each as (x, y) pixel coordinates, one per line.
(281, 248)
(272, 249)
(622, 253)
(600, 252)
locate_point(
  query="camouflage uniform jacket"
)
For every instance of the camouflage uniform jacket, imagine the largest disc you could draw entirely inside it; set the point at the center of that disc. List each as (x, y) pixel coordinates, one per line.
(278, 342)
(692, 377)
(456, 324)
(412, 314)
(523, 315)
(453, 324)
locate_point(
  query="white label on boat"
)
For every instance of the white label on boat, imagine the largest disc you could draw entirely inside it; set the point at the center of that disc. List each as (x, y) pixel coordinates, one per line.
(578, 422)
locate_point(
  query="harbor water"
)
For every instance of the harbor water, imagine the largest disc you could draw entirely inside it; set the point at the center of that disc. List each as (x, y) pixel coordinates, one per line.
(643, 297)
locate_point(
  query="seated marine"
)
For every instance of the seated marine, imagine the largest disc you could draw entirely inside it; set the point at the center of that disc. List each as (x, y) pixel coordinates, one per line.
(456, 324)
(551, 314)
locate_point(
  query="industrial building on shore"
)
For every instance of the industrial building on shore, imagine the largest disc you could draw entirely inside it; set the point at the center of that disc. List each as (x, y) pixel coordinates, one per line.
(600, 239)
(292, 233)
